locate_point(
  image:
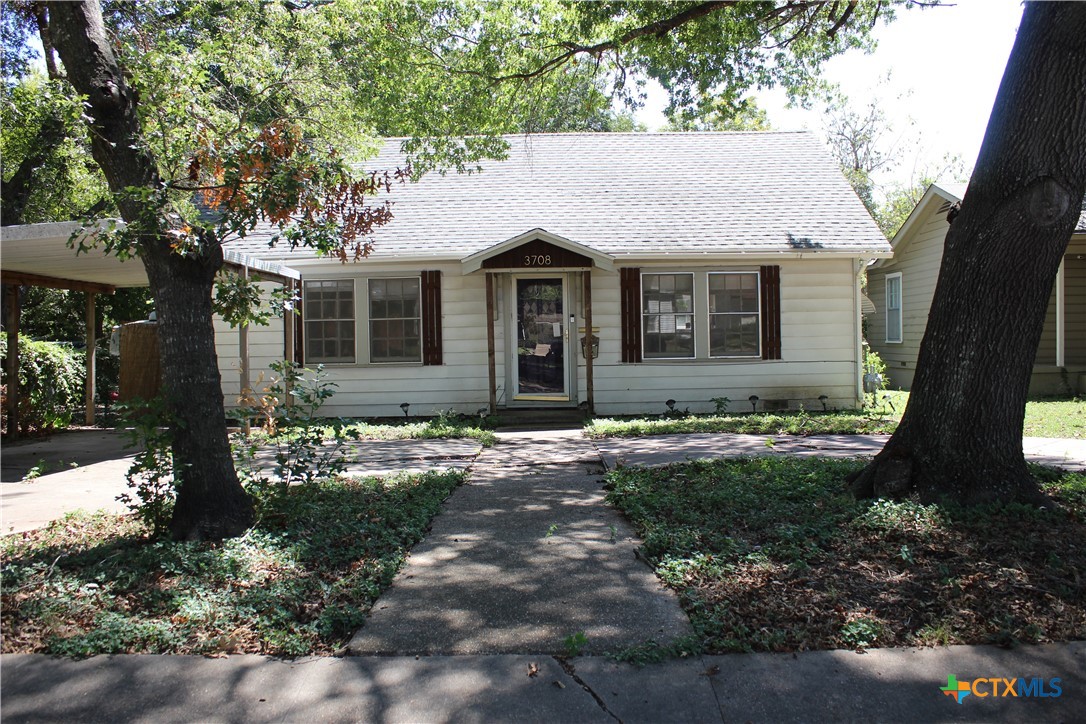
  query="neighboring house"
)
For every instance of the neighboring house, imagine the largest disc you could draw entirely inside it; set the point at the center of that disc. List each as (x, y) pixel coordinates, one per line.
(702, 265)
(902, 289)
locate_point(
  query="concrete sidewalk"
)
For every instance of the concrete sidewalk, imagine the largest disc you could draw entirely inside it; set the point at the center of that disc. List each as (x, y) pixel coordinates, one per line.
(85, 470)
(882, 685)
(667, 449)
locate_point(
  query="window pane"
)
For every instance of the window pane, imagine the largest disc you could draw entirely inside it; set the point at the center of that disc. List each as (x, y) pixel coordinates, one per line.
(734, 324)
(328, 320)
(734, 335)
(733, 292)
(667, 305)
(395, 324)
(893, 309)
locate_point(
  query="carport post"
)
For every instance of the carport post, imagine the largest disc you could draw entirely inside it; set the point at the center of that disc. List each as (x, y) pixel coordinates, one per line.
(11, 364)
(90, 358)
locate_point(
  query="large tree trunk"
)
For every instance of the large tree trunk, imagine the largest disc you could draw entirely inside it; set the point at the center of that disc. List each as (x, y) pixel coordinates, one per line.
(211, 503)
(961, 436)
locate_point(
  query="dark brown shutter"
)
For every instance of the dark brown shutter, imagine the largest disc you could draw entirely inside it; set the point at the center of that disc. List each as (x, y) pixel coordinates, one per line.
(431, 318)
(771, 312)
(630, 291)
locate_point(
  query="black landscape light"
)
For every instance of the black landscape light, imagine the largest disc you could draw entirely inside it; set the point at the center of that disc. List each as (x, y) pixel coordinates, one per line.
(822, 399)
(670, 405)
(405, 406)
(753, 400)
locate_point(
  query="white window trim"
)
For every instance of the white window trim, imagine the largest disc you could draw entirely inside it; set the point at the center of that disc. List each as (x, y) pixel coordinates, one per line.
(693, 313)
(709, 314)
(362, 350)
(900, 311)
(369, 321)
(305, 329)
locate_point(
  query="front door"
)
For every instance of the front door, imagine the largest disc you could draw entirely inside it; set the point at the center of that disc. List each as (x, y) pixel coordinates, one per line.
(540, 370)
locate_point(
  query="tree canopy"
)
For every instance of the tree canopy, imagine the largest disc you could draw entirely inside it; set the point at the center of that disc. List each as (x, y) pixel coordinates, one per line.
(208, 118)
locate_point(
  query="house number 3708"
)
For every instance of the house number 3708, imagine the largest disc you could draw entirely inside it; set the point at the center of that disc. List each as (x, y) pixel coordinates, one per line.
(537, 260)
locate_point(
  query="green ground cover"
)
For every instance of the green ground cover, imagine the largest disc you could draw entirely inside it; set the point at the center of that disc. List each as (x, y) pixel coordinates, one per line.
(300, 582)
(1064, 418)
(773, 554)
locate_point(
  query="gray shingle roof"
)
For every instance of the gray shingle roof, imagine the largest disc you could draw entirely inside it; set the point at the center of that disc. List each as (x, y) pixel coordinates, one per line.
(629, 194)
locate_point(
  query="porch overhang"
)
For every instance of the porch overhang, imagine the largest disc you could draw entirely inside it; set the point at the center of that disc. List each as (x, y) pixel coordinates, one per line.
(539, 250)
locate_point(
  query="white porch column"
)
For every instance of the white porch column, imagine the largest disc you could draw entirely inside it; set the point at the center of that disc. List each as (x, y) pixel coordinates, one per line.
(1061, 318)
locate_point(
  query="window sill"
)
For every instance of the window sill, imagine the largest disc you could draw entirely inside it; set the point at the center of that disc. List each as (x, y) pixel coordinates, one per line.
(353, 365)
(701, 360)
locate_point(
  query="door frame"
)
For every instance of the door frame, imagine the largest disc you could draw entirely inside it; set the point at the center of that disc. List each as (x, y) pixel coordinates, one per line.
(569, 398)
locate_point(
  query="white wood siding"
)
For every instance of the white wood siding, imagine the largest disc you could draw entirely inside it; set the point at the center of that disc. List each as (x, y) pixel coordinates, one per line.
(818, 349)
(1074, 285)
(817, 329)
(918, 262)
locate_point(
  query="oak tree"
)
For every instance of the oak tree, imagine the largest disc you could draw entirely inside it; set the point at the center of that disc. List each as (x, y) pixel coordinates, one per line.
(960, 438)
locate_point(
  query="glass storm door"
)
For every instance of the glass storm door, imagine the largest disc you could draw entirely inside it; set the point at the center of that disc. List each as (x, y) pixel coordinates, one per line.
(541, 335)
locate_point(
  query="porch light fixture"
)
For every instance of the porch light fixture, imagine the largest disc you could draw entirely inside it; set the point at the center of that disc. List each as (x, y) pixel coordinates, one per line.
(753, 400)
(822, 399)
(405, 406)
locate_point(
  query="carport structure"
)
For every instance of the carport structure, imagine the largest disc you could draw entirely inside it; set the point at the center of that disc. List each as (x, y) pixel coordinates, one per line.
(45, 255)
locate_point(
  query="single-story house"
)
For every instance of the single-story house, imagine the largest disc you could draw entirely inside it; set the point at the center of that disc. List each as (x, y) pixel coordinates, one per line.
(608, 271)
(902, 288)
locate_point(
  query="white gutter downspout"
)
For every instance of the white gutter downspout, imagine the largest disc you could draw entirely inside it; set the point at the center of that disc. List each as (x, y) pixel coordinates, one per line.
(1061, 319)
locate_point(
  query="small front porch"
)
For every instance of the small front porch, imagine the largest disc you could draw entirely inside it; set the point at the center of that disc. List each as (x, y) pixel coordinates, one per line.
(1060, 366)
(541, 341)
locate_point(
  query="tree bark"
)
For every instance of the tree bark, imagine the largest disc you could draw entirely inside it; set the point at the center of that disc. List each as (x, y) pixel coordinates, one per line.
(960, 438)
(211, 503)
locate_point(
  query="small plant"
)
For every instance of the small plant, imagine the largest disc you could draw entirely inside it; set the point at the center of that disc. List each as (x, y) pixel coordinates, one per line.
(306, 447)
(151, 476)
(720, 405)
(575, 643)
(614, 533)
(875, 378)
(37, 471)
(861, 633)
(552, 530)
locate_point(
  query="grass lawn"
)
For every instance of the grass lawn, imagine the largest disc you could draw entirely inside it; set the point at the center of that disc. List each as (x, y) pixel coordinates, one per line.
(1056, 418)
(772, 554)
(433, 429)
(300, 582)
(1065, 418)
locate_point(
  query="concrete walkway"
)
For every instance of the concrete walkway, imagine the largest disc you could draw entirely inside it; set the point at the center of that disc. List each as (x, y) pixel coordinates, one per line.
(523, 556)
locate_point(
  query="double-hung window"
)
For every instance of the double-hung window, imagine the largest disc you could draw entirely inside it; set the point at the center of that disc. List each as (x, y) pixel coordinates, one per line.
(668, 315)
(893, 307)
(395, 320)
(328, 317)
(734, 324)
